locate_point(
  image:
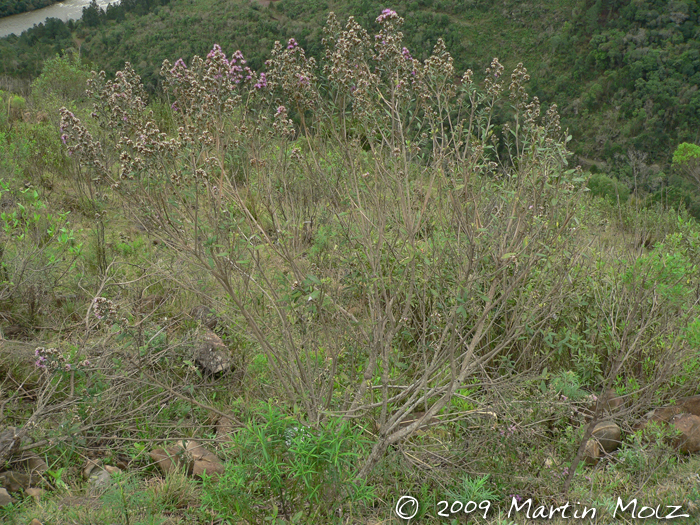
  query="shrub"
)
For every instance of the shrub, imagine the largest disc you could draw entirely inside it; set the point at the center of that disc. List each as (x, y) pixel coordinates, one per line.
(612, 189)
(302, 473)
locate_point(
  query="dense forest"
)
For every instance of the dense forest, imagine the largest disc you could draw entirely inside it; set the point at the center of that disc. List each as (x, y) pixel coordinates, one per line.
(13, 7)
(323, 262)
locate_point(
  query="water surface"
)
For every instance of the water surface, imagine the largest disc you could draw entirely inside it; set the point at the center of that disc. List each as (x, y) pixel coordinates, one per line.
(67, 10)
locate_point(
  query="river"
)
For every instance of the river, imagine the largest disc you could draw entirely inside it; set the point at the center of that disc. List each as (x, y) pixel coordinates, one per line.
(67, 10)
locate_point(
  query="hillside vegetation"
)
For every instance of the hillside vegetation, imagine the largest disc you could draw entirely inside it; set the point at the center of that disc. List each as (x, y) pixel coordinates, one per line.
(13, 7)
(417, 290)
(624, 74)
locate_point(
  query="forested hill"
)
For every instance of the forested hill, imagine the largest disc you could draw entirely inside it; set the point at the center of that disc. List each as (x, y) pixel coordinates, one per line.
(13, 7)
(624, 74)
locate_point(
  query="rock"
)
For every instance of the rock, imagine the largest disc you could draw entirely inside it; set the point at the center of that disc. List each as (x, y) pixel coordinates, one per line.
(35, 522)
(14, 481)
(5, 498)
(689, 427)
(212, 356)
(610, 400)
(604, 440)
(122, 463)
(593, 452)
(189, 455)
(99, 480)
(691, 405)
(36, 465)
(224, 427)
(172, 459)
(204, 460)
(665, 414)
(206, 316)
(9, 443)
(90, 466)
(608, 434)
(34, 493)
(688, 405)
(98, 476)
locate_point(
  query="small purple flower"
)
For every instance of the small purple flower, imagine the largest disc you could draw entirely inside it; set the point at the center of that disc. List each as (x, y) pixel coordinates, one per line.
(280, 111)
(262, 83)
(517, 497)
(216, 50)
(406, 54)
(237, 57)
(292, 44)
(63, 139)
(387, 14)
(179, 64)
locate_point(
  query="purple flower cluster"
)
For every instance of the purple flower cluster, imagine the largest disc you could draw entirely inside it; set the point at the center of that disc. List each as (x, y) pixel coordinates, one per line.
(101, 307)
(52, 360)
(281, 110)
(214, 51)
(177, 67)
(262, 82)
(387, 14)
(509, 432)
(236, 69)
(41, 359)
(564, 473)
(406, 54)
(292, 44)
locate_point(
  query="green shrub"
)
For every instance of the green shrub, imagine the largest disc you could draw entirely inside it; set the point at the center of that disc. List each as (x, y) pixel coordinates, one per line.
(62, 77)
(603, 186)
(297, 470)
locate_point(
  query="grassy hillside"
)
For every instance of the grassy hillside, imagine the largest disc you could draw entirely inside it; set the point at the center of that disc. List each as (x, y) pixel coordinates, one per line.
(408, 286)
(413, 289)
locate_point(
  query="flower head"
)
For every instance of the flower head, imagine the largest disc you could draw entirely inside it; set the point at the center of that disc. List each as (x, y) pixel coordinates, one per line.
(262, 82)
(387, 14)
